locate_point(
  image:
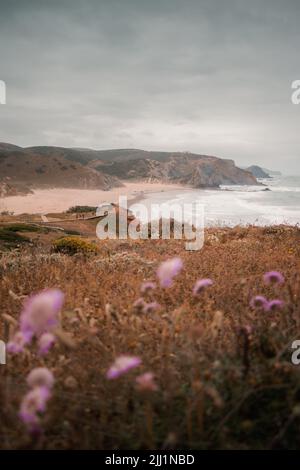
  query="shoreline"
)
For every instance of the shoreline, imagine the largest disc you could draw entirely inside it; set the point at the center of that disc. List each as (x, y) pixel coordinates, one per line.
(57, 200)
(222, 206)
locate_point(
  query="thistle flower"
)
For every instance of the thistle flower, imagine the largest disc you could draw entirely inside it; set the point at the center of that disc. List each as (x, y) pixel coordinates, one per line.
(259, 301)
(46, 341)
(275, 304)
(18, 342)
(201, 285)
(145, 382)
(40, 380)
(34, 402)
(147, 286)
(273, 277)
(167, 270)
(30, 419)
(151, 307)
(122, 365)
(41, 312)
(139, 304)
(40, 377)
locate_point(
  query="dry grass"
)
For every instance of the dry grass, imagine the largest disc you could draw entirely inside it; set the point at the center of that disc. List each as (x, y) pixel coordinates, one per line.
(218, 387)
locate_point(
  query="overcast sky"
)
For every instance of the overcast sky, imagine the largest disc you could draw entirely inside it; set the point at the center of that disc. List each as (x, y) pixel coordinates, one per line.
(205, 76)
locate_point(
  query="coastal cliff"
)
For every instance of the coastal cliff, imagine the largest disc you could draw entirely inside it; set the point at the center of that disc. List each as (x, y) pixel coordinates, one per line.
(91, 169)
(194, 170)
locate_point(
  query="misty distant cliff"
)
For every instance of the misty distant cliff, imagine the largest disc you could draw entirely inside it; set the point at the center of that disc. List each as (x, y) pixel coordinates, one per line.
(258, 172)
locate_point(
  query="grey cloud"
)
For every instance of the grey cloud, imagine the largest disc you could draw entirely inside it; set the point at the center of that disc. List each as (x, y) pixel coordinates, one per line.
(206, 76)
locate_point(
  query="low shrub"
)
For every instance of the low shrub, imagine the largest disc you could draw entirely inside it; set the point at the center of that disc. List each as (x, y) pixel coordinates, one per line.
(10, 239)
(81, 209)
(72, 232)
(19, 227)
(72, 245)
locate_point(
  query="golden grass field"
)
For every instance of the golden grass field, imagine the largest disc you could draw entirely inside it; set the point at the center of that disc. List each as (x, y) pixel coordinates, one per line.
(223, 370)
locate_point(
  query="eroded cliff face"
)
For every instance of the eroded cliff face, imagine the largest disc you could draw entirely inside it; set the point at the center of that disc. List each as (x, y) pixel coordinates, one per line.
(35, 169)
(186, 169)
(92, 169)
(10, 189)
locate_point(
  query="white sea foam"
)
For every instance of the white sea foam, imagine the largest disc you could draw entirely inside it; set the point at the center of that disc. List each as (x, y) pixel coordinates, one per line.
(233, 205)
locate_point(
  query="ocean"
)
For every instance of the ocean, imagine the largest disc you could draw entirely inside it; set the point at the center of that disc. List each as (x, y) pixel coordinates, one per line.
(277, 202)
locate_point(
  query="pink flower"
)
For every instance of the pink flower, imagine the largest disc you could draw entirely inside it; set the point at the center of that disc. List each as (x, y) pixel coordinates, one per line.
(30, 419)
(34, 402)
(122, 365)
(273, 277)
(259, 301)
(145, 382)
(18, 342)
(151, 307)
(167, 270)
(147, 286)
(40, 380)
(46, 341)
(201, 285)
(139, 303)
(41, 312)
(275, 304)
(40, 377)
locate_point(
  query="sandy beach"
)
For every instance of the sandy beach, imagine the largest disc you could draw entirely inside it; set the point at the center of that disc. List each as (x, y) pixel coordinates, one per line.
(43, 201)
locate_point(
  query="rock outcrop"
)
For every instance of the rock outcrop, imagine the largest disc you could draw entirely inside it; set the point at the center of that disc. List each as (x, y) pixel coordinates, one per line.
(193, 170)
(9, 189)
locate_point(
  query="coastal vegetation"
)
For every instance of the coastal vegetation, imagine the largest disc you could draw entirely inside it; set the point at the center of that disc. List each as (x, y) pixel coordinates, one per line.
(192, 354)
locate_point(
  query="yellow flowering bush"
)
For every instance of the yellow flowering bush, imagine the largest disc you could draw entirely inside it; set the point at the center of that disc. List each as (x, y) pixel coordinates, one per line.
(72, 245)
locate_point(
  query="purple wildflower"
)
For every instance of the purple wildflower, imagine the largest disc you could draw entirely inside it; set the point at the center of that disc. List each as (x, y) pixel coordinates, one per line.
(145, 382)
(167, 270)
(122, 365)
(30, 419)
(259, 301)
(275, 304)
(201, 285)
(17, 343)
(139, 304)
(273, 277)
(151, 307)
(34, 402)
(46, 341)
(40, 377)
(147, 286)
(41, 312)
